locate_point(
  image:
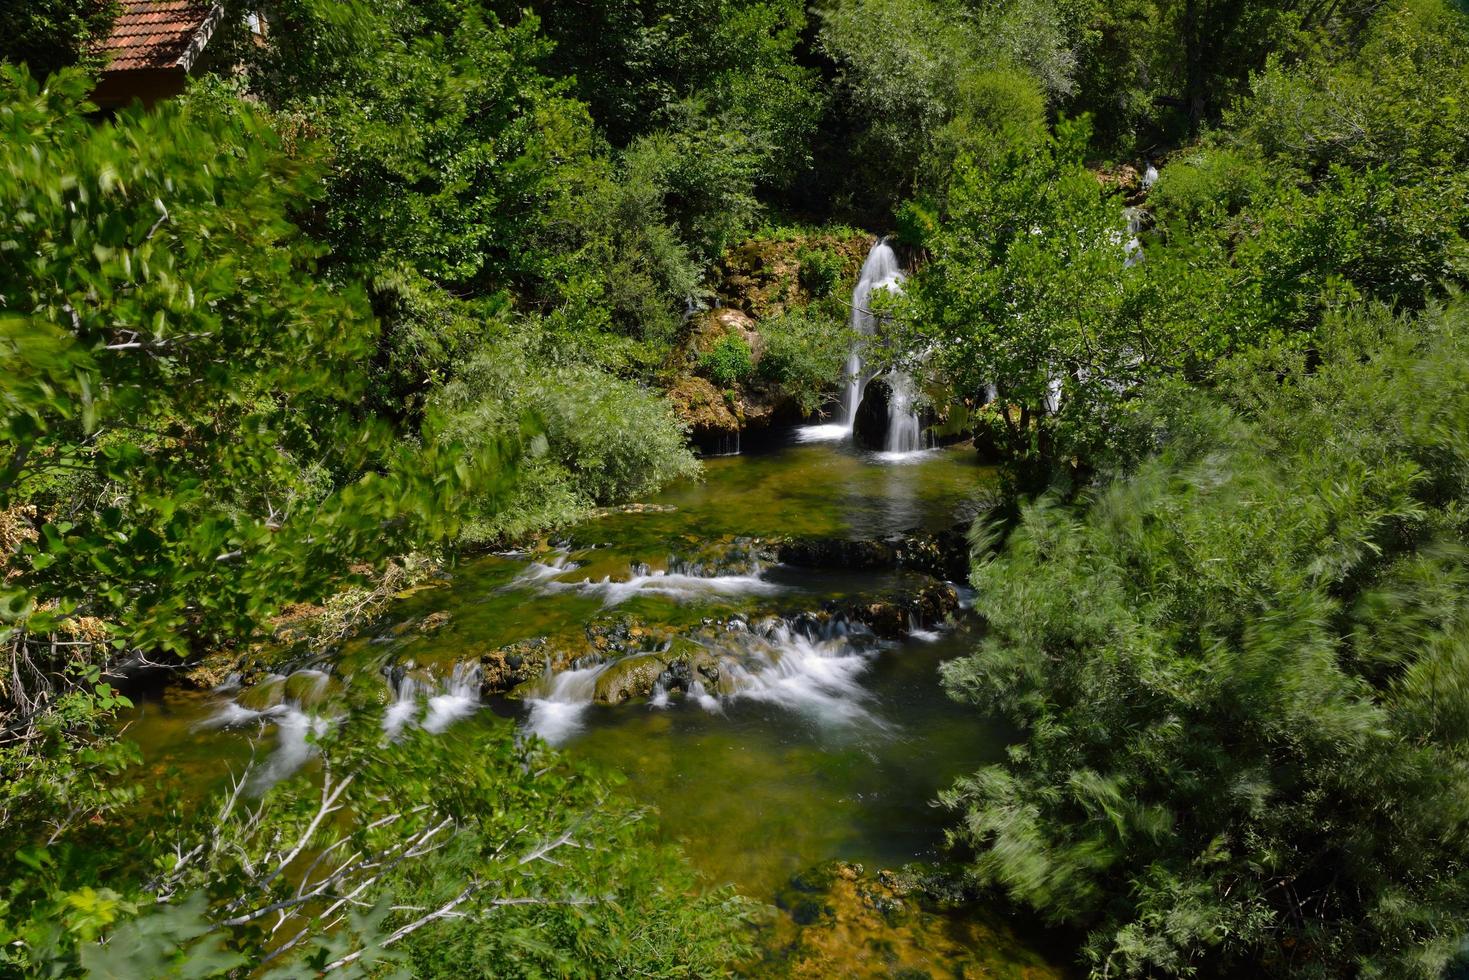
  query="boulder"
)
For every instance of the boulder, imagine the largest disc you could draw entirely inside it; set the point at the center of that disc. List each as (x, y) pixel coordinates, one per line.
(703, 407)
(714, 325)
(870, 425)
(263, 695)
(630, 677)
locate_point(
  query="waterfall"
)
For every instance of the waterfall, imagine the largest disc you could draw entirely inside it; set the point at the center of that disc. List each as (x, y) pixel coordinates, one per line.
(905, 429)
(1133, 248)
(879, 271)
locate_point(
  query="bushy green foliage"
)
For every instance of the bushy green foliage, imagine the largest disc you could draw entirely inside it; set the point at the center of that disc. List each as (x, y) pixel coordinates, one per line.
(637, 63)
(1272, 224)
(546, 871)
(925, 80)
(450, 149)
(592, 439)
(821, 270)
(728, 361)
(806, 352)
(1022, 294)
(1239, 675)
(169, 412)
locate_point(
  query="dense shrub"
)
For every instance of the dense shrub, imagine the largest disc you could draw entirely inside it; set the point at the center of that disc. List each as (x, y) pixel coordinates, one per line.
(821, 270)
(1239, 675)
(728, 361)
(805, 353)
(588, 437)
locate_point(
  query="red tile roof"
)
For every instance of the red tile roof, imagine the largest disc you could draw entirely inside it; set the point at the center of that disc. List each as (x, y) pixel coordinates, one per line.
(156, 33)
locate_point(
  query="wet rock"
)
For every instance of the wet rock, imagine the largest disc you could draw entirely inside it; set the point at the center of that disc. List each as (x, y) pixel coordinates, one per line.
(630, 677)
(688, 661)
(943, 554)
(263, 695)
(505, 667)
(870, 424)
(309, 688)
(890, 617)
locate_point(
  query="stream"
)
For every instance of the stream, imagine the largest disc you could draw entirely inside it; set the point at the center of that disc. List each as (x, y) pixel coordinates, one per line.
(744, 697)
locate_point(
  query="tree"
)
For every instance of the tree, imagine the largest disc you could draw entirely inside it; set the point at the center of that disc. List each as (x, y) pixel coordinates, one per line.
(47, 35)
(179, 388)
(482, 854)
(1240, 675)
(1021, 294)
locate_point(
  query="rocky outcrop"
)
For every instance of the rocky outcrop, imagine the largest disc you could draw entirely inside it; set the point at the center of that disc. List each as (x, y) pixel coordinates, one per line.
(762, 277)
(709, 328)
(756, 280)
(704, 408)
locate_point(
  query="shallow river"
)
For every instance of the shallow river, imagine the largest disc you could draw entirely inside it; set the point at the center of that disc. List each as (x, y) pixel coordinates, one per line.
(810, 740)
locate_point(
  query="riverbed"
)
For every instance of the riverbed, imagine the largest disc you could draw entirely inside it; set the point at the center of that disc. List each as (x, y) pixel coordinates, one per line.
(802, 738)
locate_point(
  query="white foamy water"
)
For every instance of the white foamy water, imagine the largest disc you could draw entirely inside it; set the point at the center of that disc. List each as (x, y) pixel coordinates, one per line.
(537, 572)
(230, 715)
(903, 458)
(880, 270)
(292, 728)
(813, 671)
(834, 432)
(676, 584)
(556, 715)
(813, 675)
(432, 703)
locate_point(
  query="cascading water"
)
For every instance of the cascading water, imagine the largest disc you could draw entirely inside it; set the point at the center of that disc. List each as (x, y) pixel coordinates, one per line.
(446, 701)
(905, 429)
(1133, 247)
(806, 665)
(879, 271)
(556, 709)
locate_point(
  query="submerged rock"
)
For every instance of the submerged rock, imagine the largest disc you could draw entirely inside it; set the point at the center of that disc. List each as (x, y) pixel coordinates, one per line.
(838, 920)
(434, 622)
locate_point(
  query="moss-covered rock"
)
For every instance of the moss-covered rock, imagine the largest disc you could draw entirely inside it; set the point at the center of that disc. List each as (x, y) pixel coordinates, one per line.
(310, 688)
(703, 407)
(263, 695)
(763, 278)
(630, 677)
